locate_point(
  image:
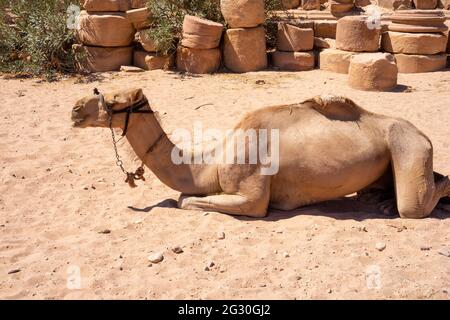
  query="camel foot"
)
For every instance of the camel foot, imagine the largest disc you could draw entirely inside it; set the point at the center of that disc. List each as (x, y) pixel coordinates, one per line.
(388, 208)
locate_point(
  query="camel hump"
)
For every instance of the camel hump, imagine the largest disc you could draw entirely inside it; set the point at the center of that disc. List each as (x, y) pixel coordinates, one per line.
(336, 107)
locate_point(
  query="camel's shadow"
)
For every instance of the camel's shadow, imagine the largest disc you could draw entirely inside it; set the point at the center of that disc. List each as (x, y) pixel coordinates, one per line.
(168, 203)
(341, 209)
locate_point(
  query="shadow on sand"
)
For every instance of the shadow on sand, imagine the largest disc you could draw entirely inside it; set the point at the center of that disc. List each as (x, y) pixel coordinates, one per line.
(342, 209)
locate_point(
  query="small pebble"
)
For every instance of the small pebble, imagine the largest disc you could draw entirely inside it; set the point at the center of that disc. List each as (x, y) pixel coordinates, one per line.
(425, 248)
(380, 246)
(362, 229)
(286, 255)
(210, 264)
(106, 231)
(156, 258)
(221, 235)
(444, 252)
(177, 249)
(205, 214)
(330, 291)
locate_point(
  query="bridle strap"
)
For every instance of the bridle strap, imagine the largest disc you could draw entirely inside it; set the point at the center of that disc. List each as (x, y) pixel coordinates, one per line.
(135, 108)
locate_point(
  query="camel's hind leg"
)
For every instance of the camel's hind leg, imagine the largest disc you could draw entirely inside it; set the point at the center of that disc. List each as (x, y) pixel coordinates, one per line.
(412, 162)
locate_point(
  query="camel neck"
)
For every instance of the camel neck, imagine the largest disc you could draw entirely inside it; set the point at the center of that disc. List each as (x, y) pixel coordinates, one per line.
(154, 148)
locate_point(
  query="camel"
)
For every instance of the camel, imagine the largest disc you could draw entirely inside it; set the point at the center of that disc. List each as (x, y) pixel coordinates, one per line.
(329, 148)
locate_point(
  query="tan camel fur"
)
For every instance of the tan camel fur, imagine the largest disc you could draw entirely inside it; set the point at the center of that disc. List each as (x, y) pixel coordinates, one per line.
(329, 148)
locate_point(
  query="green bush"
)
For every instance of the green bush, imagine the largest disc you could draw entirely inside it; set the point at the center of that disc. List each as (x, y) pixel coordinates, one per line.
(34, 38)
(168, 15)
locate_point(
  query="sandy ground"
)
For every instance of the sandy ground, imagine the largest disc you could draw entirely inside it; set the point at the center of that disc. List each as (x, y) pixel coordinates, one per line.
(50, 226)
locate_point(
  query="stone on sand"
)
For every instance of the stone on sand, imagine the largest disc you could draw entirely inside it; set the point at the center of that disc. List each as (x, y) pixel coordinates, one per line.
(414, 63)
(245, 49)
(156, 258)
(198, 61)
(177, 249)
(97, 59)
(373, 72)
(380, 246)
(152, 61)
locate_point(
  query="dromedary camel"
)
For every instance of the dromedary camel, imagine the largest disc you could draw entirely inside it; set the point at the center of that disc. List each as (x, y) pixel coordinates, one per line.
(329, 148)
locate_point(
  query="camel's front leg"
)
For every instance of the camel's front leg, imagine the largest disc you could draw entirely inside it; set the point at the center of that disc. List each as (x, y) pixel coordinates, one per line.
(228, 204)
(417, 190)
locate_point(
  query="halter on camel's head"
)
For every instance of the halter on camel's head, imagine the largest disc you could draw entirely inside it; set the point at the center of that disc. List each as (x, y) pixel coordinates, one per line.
(134, 108)
(139, 106)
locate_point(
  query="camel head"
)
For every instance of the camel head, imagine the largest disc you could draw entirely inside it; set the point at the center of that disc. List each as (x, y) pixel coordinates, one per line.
(95, 111)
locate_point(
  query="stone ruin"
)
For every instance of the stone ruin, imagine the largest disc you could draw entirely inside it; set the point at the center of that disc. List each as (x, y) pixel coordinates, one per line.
(336, 35)
(245, 41)
(418, 39)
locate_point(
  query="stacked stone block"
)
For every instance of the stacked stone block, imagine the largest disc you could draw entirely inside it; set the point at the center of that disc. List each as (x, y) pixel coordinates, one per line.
(418, 39)
(100, 49)
(353, 36)
(146, 54)
(199, 50)
(245, 42)
(294, 48)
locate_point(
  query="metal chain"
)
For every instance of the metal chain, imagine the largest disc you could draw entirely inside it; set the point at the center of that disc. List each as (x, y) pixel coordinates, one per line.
(131, 177)
(119, 161)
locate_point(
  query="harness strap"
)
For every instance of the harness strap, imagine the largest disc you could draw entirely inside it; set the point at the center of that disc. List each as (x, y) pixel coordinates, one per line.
(135, 108)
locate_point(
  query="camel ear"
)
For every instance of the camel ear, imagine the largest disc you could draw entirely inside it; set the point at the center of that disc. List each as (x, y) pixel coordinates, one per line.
(137, 95)
(127, 97)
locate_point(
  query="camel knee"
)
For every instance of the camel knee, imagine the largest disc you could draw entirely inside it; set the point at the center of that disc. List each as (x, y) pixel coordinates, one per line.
(420, 212)
(254, 210)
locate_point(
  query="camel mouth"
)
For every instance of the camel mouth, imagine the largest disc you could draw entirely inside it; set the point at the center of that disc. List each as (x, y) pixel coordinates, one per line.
(77, 122)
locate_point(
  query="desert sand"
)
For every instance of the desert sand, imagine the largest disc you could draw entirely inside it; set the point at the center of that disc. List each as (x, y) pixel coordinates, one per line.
(65, 207)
